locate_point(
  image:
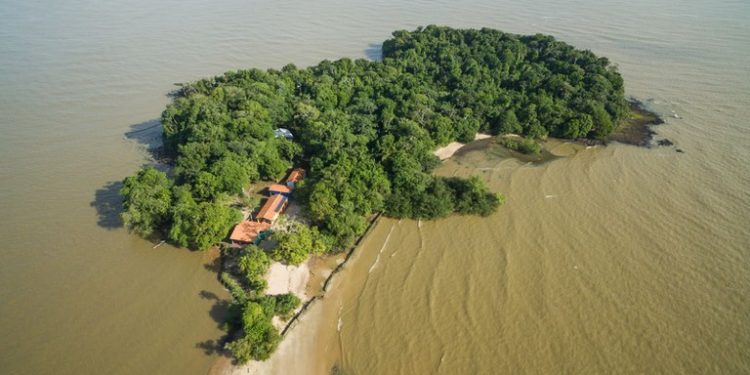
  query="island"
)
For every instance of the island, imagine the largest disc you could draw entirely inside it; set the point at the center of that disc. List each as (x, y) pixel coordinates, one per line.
(360, 136)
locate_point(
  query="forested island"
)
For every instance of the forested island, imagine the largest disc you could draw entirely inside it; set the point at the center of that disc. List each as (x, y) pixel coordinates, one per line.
(365, 132)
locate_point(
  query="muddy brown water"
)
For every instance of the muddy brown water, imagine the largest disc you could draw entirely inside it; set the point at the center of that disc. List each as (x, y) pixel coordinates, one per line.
(605, 260)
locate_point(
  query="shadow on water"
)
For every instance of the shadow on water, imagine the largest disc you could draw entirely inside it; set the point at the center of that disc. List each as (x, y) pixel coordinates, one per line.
(108, 205)
(374, 51)
(219, 312)
(107, 201)
(148, 135)
(214, 265)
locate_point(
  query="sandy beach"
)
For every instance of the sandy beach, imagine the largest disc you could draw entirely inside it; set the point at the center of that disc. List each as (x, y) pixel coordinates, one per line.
(451, 148)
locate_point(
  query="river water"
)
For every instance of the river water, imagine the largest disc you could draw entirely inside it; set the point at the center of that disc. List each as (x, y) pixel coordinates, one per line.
(607, 260)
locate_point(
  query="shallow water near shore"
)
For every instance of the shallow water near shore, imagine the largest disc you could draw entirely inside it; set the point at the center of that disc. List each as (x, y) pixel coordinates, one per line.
(611, 259)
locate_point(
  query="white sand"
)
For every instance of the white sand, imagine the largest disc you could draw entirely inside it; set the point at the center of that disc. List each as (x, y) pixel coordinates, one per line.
(448, 151)
(284, 279)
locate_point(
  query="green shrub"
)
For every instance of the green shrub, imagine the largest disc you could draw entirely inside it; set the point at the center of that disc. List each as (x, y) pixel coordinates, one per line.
(526, 146)
(254, 264)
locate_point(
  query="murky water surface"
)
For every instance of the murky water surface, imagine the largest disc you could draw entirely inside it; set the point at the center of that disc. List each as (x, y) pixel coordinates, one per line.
(608, 260)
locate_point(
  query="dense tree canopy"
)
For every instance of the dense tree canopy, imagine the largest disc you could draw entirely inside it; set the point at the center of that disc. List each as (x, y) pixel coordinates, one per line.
(254, 264)
(366, 130)
(148, 200)
(297, 244)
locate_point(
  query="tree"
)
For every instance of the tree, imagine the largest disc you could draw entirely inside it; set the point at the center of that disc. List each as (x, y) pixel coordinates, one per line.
(147, 198)
(200, 225)
(579, 127)
(206, 186)
(472, 196)
(183, 214)
(509, 123)
(232, 175)
(285, 304)
(602, 122)
(254, 264)
(295, 246)
(260, 336)
(212, 224)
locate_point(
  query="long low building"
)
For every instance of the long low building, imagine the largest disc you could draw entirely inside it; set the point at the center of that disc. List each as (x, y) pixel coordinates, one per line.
(274, 206)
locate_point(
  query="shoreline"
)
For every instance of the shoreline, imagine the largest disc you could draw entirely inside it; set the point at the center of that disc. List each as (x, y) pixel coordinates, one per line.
(277, 276)
(635, 131)
(300, 279)
(450, 149)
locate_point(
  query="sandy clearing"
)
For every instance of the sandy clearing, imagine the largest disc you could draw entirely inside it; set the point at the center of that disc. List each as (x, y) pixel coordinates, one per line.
(451, 148)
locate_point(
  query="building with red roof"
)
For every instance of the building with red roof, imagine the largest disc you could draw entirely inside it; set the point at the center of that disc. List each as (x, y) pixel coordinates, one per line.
(279, 189)
(295, 176)
(247, 231)
(274, 206)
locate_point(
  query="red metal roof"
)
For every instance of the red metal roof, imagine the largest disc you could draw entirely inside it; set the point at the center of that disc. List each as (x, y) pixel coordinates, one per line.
(296, 175)
(247, 231)
(272, 208)
(278, 188)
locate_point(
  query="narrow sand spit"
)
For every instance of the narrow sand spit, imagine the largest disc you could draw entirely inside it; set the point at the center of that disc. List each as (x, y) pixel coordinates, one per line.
(450, 149)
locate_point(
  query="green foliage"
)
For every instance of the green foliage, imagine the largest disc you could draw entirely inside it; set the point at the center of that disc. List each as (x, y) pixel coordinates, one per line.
(602, 122)
(232, 175)
(260, 337)
(366, 130)
(296, 245)
(580, 126)
(212, 224)
(254, 264)
(147, 198)
(523, 145)
(471, 196)
(182, 213)
(509, 123)
(235, 289)
(286, 304)
(199, 225)
(250, 201)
